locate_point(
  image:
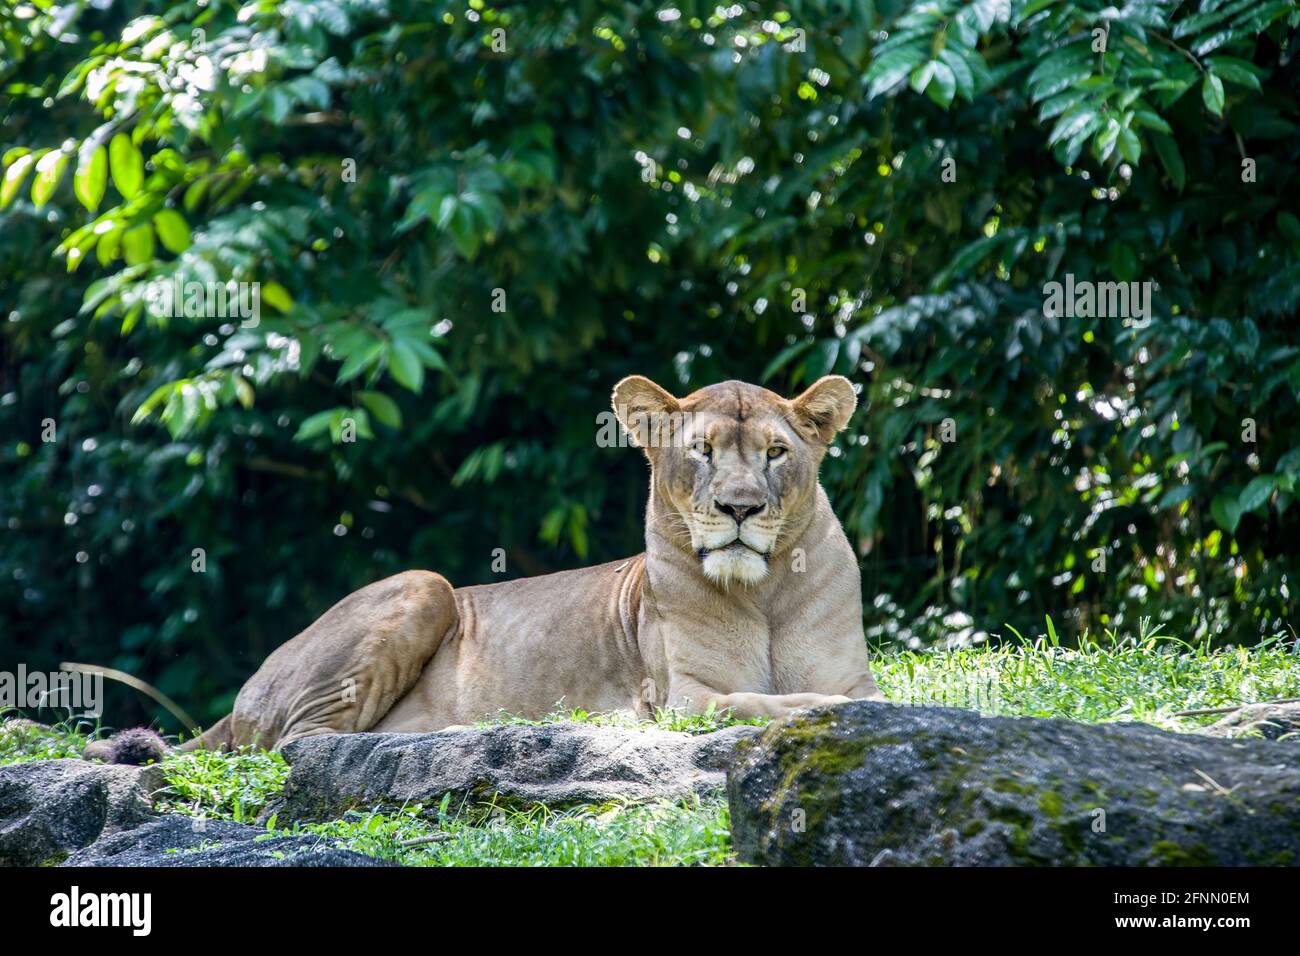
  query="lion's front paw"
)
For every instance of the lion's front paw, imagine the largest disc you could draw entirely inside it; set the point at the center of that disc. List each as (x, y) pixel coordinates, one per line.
(806, 701)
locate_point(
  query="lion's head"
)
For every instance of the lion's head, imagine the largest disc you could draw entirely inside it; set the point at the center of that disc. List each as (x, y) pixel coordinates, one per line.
(734, 466)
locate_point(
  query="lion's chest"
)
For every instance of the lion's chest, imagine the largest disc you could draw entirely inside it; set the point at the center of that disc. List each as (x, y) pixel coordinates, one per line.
(769, 640)
(735, 656)
(796, 662)
(768, 661)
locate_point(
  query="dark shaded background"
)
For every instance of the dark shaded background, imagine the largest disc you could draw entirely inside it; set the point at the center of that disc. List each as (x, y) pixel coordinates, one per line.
(690, 197)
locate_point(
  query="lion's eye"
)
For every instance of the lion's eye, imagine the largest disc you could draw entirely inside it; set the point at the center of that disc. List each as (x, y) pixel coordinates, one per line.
(702, 448)
(775, 452)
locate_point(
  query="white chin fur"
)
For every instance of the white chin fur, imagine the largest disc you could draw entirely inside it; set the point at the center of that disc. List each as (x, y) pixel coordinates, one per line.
(735, 564)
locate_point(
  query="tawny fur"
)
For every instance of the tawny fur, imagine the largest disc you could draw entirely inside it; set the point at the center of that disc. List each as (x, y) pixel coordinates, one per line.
(764, 625)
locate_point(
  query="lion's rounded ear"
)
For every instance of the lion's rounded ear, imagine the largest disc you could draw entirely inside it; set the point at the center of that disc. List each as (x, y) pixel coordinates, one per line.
(636, 401)
(826, 406)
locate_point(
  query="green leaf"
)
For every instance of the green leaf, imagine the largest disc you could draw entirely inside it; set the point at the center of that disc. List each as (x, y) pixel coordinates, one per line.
(1257, 492)
(109, 245)
(1290, 462)
(194, 194)
(578, 530)
(14, 177)
(1212, 94)
(360, 420)
(1151, 121)
(49, 171)
(277, 296)
(464, 230)
(1130, 147)
(405, 366)
(1241, 72)
(961, 73)
(132, 317)
(243, 391)
(1060, 103)
(277, 105)
(317, 424)
(921, 76)
(157, 397)
(85, 240)
(1104, 144)
(173, 230)
(382, 407)
(126, 164)
(1226, 511)
(784, 357)
(428, 354)
(137, 244)
(823, 358)
(1209, 14)
(1068, 150)
(1081, 121)
(892, 68)
(943, 86)
(358, 361)
(552, 525)
(91, 178)
(1175, 496)
(1059, 72)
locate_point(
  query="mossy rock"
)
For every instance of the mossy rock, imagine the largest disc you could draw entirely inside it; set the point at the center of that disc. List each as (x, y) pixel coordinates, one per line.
(871, 783)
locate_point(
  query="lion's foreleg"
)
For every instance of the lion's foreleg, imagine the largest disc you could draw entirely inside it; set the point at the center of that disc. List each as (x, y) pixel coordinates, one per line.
(866, 689)
(746, 705)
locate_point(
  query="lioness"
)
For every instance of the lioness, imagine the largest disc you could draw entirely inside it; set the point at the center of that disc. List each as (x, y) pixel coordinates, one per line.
(747, 598)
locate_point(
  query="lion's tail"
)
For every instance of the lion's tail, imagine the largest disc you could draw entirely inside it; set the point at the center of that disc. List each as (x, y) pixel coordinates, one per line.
(219, 736)
(141, 745)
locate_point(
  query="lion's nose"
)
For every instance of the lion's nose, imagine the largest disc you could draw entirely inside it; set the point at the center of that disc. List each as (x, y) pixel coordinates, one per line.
(738, 511)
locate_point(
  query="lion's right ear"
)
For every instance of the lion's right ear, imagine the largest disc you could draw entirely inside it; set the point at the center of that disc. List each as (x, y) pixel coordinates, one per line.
(637, 400)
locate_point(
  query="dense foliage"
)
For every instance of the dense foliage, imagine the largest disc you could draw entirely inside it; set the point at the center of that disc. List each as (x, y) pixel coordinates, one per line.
(468, 221)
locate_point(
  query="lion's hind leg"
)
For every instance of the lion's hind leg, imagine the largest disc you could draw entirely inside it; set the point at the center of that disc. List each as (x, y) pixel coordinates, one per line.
(346, 671)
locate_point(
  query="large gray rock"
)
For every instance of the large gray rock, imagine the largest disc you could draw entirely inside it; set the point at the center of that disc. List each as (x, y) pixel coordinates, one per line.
(174, 840)
(871, 783)
(51, 808)
(553, 763)
(76, 813)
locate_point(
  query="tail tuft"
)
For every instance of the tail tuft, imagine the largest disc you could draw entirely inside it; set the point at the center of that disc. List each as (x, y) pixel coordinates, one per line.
(137, 746)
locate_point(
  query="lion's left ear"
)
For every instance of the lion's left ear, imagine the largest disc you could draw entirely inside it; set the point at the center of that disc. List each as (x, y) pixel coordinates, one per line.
(826, 406)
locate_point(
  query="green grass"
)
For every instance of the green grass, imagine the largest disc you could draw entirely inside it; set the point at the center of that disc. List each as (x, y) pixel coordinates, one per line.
(19, 742)
(222, 786)
(1149, 677)
(663, 833)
